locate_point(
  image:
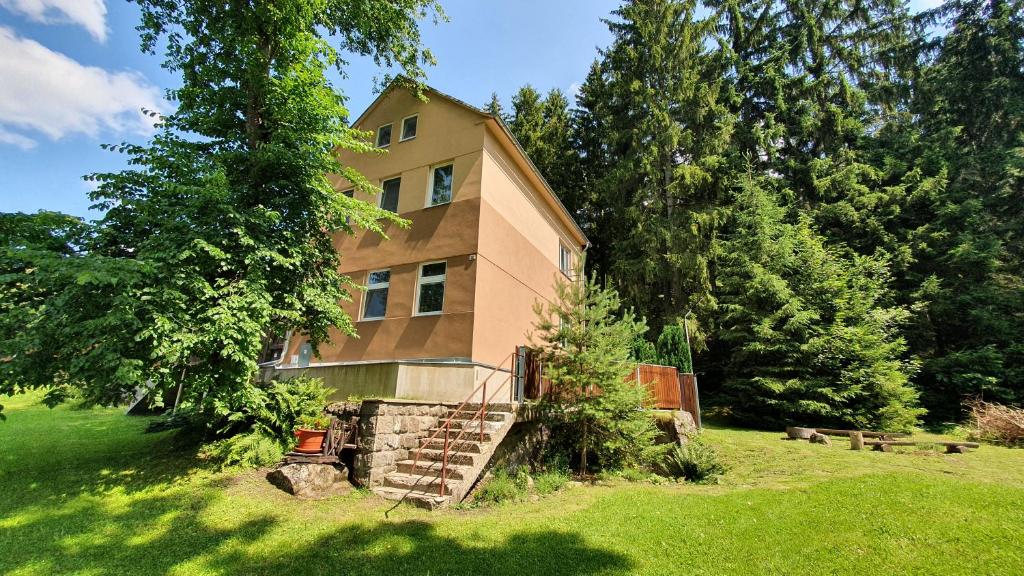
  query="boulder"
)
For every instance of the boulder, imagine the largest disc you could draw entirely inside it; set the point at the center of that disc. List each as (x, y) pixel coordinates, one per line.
(682, 427)
(820, 439)
(311, 480)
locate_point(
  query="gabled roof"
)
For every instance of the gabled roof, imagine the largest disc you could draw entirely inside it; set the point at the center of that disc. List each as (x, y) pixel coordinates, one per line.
(500, 129)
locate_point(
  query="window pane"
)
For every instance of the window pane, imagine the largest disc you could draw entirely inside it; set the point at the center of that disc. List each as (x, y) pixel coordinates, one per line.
(442, 191)
(379, 277)
(409, 127)
(384, 135)
(435, 269)
(350, 194)
(431, 297)
(376, 303)
(389, 198)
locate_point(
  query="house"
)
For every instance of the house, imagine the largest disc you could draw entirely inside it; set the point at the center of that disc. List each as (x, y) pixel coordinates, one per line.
(448, 299)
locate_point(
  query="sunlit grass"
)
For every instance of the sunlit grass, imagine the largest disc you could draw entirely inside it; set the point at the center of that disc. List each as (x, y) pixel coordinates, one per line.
(88, 492)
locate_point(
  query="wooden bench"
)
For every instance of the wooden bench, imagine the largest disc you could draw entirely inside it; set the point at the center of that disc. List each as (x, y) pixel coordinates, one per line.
(952, 447)
(957, 447)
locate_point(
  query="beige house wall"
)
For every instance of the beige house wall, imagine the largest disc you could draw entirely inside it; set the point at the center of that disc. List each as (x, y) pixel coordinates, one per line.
(518, 252)
(499, 235)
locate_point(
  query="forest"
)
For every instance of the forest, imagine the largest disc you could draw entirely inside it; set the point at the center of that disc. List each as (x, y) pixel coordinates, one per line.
(832, 193)
(825, 198)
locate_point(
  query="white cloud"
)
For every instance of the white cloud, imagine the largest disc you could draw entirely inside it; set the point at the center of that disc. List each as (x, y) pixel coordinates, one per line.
(46, 92)
(89, 14)
(23, 142)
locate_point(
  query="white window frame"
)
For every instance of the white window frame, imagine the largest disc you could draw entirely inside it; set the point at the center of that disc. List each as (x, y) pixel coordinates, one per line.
(377, 286)
(403, 138)
(380, 200)
(420, 281)
(376, 142)
(430, 184)
(564, 253)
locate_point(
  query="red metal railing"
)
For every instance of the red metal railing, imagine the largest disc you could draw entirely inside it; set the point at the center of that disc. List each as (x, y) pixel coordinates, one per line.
(480, 413)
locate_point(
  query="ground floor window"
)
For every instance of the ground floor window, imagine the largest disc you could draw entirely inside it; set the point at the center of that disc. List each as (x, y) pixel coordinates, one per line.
(430, 288)
(375, 304)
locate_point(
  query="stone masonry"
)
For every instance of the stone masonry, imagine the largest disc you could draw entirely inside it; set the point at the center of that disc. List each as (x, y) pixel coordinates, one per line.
(388, 431)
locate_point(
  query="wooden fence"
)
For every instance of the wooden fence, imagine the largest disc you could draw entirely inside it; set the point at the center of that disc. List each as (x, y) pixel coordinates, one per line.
(670, 389)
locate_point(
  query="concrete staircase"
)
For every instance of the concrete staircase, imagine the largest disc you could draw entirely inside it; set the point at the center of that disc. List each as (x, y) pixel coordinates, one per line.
(417, 480)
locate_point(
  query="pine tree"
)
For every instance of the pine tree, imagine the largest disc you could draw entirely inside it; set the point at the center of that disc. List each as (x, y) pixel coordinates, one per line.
(585, 341)
(494, 107)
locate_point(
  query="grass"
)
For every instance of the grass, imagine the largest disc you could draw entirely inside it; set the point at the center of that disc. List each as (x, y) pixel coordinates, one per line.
(87, 492)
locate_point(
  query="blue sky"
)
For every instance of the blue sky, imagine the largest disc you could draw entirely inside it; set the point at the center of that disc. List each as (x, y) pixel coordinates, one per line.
(72, 77)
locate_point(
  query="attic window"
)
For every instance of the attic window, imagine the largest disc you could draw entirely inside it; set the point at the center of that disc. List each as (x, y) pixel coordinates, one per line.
(384, 136)
(409, 127)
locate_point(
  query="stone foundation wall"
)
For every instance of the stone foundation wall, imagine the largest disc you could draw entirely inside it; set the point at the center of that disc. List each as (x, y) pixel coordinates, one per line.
(388, 431)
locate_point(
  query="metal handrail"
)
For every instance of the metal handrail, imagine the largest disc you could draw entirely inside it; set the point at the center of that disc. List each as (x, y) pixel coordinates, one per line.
(446, 427)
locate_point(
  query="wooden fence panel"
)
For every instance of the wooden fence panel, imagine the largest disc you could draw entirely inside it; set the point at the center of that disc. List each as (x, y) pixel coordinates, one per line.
(688, 391)
(663, 383)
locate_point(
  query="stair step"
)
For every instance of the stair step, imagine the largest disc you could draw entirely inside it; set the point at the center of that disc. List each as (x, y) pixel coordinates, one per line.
(432, 468)
(463, 445)
(428, 501)
(472, 415)
(473, 433)
(438, 455)
(417, 483)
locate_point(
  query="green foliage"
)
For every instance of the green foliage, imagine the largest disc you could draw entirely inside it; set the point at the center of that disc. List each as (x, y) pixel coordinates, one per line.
(504, 486)
(812, 338)
(585, 342)
(220, 232)
(696, 461)
(245, 450)
(672, 349)
(313, 422)
(551, 481)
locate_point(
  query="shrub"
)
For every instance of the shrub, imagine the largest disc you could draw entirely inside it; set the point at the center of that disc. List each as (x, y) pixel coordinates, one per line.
(249, 450)
(551, 481)
(996, 423)
(504, 487)
(696, 461)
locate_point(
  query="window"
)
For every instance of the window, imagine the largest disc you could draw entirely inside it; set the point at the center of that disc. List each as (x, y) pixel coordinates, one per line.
(440, 185)
(348, 194)
(430, 288)
(375, 305)
(564, 260)
(389, 196)
(409, 127)
(384, 136)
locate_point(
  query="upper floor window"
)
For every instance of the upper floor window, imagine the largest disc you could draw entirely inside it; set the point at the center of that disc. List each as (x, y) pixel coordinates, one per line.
(375, 305)
(441, 185)
(384, 136)
(348, 194)
(409, 127)
(564, 260)
(389, 194)
(430, 288)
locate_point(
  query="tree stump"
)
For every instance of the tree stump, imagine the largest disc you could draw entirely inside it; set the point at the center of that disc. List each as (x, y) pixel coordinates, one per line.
(856, 440)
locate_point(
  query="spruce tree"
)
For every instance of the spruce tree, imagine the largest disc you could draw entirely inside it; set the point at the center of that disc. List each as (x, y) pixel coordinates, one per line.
(585, 341)
(810, 336)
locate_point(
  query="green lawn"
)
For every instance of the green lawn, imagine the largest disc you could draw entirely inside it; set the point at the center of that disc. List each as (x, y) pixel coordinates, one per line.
(87, 492)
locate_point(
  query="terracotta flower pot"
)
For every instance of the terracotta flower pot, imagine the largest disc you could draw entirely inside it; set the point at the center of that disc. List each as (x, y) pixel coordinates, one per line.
(310, 441)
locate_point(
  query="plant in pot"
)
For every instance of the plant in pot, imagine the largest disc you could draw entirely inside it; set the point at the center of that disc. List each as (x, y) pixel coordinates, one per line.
(310, 431)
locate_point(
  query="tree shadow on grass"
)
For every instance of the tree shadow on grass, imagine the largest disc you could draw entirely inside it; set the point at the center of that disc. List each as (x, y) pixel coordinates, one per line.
(417, 547)
(159, 534)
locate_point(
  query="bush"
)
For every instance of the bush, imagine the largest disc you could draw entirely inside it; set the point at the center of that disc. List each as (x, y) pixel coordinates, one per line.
(249, 450)
(996, 423)
(551, 481)
(504, 487)
(696, 462)
(255, 426)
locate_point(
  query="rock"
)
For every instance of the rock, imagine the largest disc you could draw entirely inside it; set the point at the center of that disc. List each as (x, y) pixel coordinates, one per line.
(574, 484)
(797, 432)
(534, 498)
(820, 439)
(529, 481)
(682, 427)
(311, 480)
